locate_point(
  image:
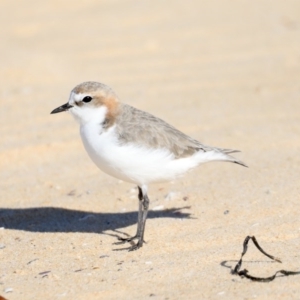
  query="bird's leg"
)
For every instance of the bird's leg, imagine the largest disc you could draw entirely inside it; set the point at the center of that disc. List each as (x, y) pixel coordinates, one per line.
(141, 225)
(140, 219)
(140, 216)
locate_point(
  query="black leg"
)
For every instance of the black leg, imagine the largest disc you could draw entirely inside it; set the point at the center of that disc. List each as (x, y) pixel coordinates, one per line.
(142, 217)
(139, 221)
(143, 224)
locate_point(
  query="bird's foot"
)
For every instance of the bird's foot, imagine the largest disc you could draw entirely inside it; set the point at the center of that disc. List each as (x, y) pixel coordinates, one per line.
(136, 246)
(124, 240)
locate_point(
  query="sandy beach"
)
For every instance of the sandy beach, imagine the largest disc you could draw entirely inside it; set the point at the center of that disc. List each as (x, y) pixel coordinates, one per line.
(224, 72)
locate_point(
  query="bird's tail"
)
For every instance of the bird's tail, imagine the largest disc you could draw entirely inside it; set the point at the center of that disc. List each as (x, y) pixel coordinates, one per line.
(231, 158)
(236, 161)
(219, 154)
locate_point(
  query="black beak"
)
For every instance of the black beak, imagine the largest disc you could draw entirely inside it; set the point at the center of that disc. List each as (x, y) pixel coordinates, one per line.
(61, 108)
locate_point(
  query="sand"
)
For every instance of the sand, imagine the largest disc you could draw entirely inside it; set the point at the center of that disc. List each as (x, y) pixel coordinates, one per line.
(225, 72)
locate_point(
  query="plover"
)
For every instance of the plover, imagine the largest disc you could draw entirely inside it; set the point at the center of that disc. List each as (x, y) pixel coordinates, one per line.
(133, 145)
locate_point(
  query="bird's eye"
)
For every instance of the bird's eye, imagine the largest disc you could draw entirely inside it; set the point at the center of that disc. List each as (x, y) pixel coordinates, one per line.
(87, 99)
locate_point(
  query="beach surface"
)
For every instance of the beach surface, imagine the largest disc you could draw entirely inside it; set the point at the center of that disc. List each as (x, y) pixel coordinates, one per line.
(224, 72)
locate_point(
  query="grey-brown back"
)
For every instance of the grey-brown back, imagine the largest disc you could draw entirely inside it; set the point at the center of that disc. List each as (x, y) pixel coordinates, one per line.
(135, 125)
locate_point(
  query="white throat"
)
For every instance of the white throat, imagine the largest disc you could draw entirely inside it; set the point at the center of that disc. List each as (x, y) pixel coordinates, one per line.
(86, 115)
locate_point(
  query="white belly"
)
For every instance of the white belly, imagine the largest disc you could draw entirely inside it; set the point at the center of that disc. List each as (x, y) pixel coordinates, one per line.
(131, 163)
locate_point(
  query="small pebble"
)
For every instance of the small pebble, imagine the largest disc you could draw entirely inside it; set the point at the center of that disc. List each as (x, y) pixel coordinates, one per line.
(31, 261)
(8, 290)
(71, 193)
(171, 196)
(44, 273)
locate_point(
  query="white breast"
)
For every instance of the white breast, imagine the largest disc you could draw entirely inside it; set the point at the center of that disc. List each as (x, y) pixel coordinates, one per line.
(130, 162)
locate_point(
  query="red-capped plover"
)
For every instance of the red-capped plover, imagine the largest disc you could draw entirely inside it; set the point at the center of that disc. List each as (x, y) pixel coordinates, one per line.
(133, 145)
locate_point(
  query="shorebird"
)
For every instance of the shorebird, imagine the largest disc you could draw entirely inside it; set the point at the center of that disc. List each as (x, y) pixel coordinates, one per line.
(133, 145)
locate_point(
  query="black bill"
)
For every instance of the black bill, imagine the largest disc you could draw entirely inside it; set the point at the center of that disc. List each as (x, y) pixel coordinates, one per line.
(61, 108)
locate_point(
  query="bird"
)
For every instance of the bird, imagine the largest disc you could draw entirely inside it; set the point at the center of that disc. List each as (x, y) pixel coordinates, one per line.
(133, 145)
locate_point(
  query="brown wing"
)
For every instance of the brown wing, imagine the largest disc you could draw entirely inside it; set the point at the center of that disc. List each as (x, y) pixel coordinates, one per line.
(153, 132)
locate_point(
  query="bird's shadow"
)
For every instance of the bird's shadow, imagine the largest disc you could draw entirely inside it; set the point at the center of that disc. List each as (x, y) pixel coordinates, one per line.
(55, 219)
